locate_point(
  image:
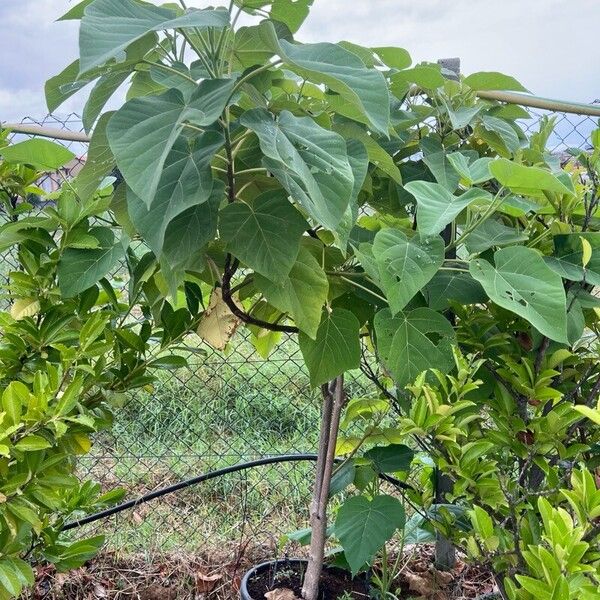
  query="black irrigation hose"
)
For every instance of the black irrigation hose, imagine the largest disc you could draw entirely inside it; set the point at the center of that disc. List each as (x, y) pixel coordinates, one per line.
(268, 460)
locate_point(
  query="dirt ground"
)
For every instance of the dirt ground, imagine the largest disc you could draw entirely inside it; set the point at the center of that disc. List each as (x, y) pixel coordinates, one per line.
(217, 577)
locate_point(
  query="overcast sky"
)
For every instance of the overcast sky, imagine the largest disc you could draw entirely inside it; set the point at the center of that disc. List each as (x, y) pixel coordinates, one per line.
(551, 46)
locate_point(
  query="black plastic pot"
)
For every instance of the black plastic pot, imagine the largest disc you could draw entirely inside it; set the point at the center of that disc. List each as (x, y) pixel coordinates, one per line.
(274, 565)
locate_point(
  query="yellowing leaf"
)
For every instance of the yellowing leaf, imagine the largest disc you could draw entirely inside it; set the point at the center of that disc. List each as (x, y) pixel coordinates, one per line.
(82, 443)
(218, 323)
(24, 307)
(590, 413)
(587, 252)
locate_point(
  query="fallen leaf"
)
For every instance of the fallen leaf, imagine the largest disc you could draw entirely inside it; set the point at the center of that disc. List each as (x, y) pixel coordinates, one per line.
(137, 518)
(425, 585)
(281, 594)
(218, 323)
(100, 591)
(206, 583)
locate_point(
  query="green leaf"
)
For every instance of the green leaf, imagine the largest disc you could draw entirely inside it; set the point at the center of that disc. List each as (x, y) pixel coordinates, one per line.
(344, 73)
(75, 13)
(291, 12)
(99, 162)
(437, 207)
(31, 443)
(80, 269)
(39, 153)
(255, 45)
(302, 293)
(9, 579)
(395, 58)
(109, 26)
(405, 264)
(529, 181)
(265, 235)
(492, 233)
(521, 282)
(61, 87)
(568, 257)
(336, 348)
(105, 87)
(310, 162)
(492, 80)
(413, 342)
(363, 526)
(453, 286)
(169, 362)
(187, 234)
(377, 155)
(186, 182)
(504, 131)
(143, 132)
(428, 77)
(14, 398)
(476, 172)
(389, 459)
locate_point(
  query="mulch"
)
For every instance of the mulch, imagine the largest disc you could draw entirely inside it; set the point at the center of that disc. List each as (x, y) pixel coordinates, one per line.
(217, 576)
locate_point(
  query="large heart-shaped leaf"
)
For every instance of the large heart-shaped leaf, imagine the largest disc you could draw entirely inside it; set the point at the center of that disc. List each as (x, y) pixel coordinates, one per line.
(529, 181)
(265, 235)
(405, 264)
(521, 282)
(437, 207)
(186, 181)
(301, 294)
(142, 133)
(336, 348)
(310, 162)
(109, 26)
(79, 269)
(345, 73)
(364, 525)
(413, 342)
(105, 87)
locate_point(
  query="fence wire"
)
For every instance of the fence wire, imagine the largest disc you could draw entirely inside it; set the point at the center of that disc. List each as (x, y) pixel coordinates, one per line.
(221, 410)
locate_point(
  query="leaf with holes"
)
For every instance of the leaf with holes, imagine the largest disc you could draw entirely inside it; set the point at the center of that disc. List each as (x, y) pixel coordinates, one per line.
(336, 348)
(364, 525)
(521, 282)
(405, 264)
(412, 342)
(264, 234)
(310, 162)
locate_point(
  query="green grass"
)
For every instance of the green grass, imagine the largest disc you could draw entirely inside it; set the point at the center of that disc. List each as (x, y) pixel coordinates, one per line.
(223, 410)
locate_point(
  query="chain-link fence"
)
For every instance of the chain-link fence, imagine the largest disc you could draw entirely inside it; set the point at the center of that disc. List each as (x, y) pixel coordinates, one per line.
(224, 409)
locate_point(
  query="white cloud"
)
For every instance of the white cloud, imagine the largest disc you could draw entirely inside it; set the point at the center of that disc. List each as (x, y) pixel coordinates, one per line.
(549, 45)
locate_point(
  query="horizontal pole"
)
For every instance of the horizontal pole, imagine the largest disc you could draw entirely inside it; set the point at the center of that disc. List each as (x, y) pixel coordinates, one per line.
(549, 104)
(49, 132)
(575, 108)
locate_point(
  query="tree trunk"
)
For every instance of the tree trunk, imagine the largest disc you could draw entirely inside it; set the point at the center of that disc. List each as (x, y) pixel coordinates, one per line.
(445, 553)
(333, 402)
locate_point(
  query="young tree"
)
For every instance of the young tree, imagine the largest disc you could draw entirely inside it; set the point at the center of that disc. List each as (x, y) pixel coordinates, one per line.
(328, 190)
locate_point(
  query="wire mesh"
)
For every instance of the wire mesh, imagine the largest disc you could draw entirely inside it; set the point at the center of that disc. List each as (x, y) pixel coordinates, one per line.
(221, 410)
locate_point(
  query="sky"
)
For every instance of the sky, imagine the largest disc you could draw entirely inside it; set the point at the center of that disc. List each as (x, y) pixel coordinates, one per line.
(550, 46)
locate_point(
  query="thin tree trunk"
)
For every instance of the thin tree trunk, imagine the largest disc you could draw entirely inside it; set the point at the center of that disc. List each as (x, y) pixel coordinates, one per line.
(333, 402)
